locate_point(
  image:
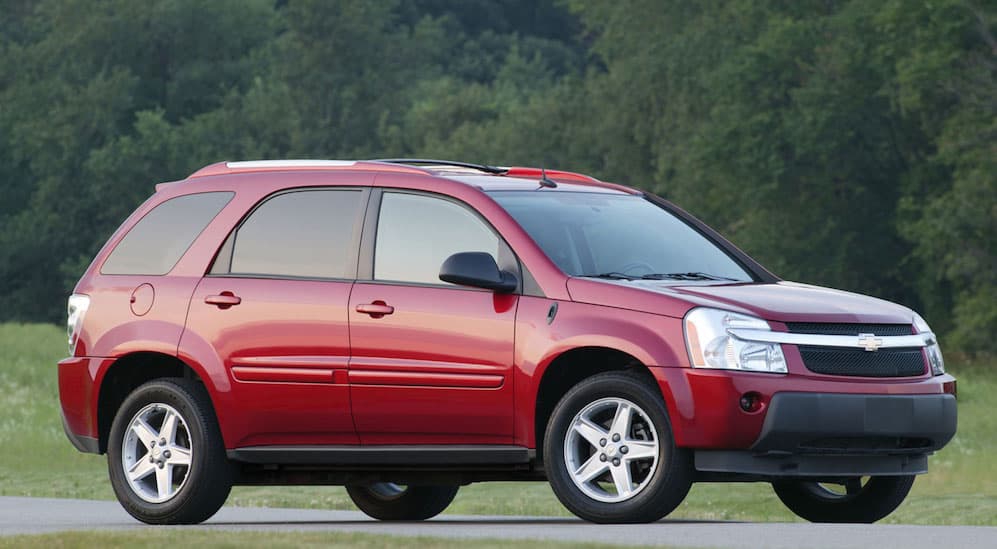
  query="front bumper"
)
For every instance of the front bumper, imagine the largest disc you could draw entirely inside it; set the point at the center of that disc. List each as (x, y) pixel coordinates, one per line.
(834, 435)
(819, 423)
(807, 425)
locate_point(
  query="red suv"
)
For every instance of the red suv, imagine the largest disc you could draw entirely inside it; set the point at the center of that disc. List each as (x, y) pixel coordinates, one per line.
(405, 327)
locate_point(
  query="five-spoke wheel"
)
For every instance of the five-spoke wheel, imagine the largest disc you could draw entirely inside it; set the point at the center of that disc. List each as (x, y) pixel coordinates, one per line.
(156, 453)
(609, 452)
(165, 454)
(611, 449)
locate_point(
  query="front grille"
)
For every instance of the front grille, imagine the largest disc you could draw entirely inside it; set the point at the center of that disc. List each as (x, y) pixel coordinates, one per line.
(900, 362)
(829, 328)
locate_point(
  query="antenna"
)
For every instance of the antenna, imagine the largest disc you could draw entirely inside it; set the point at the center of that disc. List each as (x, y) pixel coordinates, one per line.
(545, 181)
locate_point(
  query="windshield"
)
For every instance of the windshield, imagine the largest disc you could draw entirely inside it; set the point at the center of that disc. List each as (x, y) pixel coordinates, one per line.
(617, 236)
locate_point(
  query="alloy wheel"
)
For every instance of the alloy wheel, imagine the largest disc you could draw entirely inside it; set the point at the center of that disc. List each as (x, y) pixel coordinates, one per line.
(611, 451)
(156, 453)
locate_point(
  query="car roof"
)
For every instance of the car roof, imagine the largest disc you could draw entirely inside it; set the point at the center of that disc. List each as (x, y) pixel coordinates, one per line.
(485, 178)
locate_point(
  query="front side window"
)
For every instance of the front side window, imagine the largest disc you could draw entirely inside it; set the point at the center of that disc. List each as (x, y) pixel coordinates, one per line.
(301, 234)
(155, 244)
(617, 236)
(417, 233)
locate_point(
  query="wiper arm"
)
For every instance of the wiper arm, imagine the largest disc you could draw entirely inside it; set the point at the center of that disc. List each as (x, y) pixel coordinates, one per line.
(685, 276)
(612, 275)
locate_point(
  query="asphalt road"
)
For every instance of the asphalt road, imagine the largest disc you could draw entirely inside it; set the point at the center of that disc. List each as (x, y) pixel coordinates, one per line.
(39, 515)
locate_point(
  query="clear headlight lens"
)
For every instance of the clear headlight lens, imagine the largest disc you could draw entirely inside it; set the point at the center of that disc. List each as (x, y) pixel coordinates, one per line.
(934, 351)
(710, 345)
(76, 309)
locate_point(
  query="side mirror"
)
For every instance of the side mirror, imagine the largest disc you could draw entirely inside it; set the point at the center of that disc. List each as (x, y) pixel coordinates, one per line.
(477, 269)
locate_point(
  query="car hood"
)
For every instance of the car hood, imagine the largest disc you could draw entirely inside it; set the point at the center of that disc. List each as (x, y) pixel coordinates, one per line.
(780, 301)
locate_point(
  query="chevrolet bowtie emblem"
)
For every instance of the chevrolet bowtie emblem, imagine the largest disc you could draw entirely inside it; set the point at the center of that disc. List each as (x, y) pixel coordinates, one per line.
(869, 342)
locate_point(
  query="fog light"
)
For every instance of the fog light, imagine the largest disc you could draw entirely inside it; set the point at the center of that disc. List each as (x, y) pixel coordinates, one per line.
(751, 402)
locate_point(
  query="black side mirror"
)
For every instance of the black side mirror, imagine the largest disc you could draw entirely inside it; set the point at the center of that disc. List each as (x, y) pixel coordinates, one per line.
(477, 269)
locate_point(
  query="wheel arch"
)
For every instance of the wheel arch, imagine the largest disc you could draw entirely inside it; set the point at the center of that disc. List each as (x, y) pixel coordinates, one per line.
(126, 374)
(570, 367)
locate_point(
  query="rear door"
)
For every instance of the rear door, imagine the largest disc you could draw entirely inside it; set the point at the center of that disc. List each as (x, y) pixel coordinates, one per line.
(431, 362)
(274, 308)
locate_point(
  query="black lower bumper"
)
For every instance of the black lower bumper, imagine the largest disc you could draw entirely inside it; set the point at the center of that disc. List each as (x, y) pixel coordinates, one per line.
(818, 434)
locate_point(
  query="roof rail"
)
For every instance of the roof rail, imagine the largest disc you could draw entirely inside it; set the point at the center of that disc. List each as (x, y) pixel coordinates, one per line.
(220, 168)
(431, 162)
(538, 173)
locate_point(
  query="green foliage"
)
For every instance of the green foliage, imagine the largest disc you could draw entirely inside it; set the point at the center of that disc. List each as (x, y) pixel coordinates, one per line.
(845, 143)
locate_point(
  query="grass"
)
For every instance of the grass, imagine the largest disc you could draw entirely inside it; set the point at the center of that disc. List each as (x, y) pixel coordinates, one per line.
(243, 540)
(37, 460)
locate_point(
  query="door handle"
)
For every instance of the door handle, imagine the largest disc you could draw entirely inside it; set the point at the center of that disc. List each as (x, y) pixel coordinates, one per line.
(224, 300)
(376, 309)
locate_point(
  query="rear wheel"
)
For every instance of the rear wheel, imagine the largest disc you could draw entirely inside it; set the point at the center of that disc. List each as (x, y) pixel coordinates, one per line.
(390, 501)
(609, 452)
(858, 499)
(165, 454)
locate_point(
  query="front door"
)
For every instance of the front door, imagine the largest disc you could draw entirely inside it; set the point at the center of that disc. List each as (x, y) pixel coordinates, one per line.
(431, 362)
(274, 308)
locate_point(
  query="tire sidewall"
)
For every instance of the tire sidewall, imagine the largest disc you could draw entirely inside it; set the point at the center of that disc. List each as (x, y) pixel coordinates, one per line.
(163, 392)
(878, 499)
(636, 508)
(415, 503)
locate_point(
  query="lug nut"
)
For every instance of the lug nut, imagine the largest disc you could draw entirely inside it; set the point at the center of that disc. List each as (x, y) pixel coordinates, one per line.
(160, 464)
(616, 462)
(602, 442)
(602, 457)
(162, 442)
(166, 454)
(616, 438)
(623, 450)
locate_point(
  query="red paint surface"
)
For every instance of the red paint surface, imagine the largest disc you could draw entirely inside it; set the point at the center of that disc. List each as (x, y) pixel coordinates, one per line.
(294, 362)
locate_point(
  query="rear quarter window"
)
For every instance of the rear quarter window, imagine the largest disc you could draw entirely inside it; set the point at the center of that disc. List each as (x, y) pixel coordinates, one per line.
(155, 244)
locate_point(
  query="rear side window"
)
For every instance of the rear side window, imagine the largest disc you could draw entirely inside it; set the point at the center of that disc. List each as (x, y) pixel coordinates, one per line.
(155, 244)
(417, 233)
(300, 234)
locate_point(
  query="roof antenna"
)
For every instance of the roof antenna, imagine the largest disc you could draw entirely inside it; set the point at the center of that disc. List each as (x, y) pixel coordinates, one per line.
(545, 181)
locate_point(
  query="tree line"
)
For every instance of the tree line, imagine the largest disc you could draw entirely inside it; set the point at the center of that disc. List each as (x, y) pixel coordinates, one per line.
(846, 143)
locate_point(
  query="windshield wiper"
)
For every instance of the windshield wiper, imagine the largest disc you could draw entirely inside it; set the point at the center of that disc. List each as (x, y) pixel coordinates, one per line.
(685, 276)
(613, 275)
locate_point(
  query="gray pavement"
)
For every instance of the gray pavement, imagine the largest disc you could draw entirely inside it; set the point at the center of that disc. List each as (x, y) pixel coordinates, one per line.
(39, 515)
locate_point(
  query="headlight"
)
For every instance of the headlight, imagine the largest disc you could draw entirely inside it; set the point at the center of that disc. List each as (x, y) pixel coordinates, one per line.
(934, 351)
(76, 309)
(711, 345)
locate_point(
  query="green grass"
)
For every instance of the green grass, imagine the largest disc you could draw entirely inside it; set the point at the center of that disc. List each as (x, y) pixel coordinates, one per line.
(243, 540)
(37, 460)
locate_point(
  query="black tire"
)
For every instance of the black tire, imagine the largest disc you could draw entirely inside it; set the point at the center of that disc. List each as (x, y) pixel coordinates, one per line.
(387, 501)
(877, 498)
(665, 488)
(206, 482)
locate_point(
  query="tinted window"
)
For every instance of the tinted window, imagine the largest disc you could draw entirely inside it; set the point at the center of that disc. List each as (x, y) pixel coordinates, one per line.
(416, 233)
(155, 244)
(588, 234)
(301, 233)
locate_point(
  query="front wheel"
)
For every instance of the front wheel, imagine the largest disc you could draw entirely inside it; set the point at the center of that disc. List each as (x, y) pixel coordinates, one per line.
(855, 500)
(390, 501)
(165, 454)
(609, 452)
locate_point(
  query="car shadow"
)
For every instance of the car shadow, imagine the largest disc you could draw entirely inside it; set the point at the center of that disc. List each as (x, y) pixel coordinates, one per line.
(512, 521)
